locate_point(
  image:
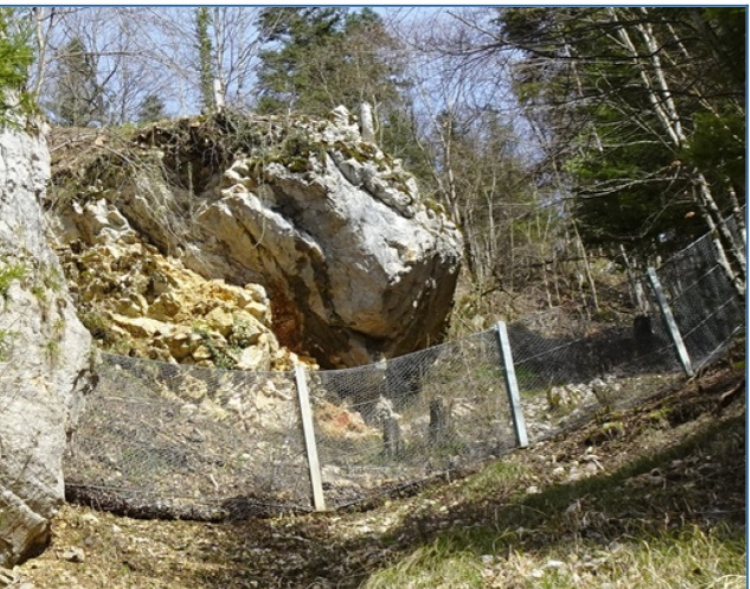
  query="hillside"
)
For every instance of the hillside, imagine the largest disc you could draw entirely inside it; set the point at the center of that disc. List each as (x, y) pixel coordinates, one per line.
(334, 297)
(657, 501)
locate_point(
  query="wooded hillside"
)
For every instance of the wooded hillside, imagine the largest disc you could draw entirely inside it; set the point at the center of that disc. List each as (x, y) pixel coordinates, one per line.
(562, 141)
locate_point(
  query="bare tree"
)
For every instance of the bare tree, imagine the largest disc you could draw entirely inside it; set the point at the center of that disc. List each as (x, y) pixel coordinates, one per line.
(141, 51)
(470, 121)
(125, 67)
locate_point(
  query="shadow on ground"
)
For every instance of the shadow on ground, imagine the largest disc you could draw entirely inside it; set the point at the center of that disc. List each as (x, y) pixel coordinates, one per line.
(671, 463)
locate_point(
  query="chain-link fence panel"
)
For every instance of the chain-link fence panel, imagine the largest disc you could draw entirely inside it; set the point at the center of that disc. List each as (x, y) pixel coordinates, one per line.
(185, 441)
(705, 305)
(401, 421)
(567, 376)
(737, 230)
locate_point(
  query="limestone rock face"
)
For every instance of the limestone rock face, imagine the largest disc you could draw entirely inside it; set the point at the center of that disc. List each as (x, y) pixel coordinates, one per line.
(45, 354)
(142, 303)
(355, 264)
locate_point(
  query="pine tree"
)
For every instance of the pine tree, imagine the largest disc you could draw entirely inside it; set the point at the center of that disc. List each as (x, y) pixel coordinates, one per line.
(151, 109)
(289, 74)
(78, 98)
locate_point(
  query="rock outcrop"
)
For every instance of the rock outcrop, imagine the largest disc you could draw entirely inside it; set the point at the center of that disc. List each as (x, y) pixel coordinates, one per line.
(142, 303)
(355, 264)
(45, 354)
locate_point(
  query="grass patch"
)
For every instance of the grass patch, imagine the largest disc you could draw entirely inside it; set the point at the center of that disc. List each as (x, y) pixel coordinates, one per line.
(690, 557)
(431, 567)
(8, 274)
(499, 474)
(643, 525)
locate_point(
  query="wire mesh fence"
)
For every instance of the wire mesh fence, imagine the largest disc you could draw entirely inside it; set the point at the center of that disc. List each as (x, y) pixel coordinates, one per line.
(404, 420)
(183, 441)
(568, 378)
(186, 441)
(703, 301)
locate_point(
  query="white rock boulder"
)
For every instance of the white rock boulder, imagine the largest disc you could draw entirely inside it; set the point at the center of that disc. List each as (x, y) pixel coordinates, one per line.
(355, 264)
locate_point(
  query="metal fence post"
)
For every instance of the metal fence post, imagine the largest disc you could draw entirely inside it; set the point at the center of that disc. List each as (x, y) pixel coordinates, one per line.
(316, 479)
(670, 322)
(519, 423)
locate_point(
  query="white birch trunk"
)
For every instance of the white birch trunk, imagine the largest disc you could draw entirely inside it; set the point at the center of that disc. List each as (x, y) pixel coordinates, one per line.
(665, 108)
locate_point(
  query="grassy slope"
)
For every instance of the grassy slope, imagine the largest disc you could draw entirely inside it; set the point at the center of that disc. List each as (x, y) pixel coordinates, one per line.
(658, 503)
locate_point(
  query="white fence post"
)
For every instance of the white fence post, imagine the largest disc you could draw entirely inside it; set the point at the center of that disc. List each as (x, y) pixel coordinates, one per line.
(519, 423)
(316, 479)
(670, 322)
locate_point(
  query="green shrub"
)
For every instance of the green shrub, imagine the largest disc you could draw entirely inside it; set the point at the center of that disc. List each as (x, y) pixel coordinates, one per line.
(15, 58)
(8, 274)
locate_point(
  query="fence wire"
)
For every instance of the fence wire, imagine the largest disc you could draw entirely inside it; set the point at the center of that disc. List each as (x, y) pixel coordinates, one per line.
(705, 306)
(183, 441)
(404, 420)
(564, 379)
(186, 441)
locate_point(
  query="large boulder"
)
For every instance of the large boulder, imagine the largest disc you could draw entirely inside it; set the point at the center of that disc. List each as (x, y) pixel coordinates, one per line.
(45, 354)
(358, 267)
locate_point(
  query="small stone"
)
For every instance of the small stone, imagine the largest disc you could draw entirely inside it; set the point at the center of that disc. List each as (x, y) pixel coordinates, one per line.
(202, 353)
(89, 518)
(591, 468)
(574, 474)
(74, 554)
(254, 358)
(7, 577)
(219, 319)
(188, 410)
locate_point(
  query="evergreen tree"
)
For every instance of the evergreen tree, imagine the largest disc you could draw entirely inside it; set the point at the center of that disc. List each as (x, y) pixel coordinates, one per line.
(324, 57)
(78, 99)
(15, 57)
(289, 74)
(151, 109)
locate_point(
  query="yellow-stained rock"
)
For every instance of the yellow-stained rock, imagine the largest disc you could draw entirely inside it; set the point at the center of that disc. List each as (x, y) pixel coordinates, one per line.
(254, 358)
(259, 311)
(134, 305)
(202, 352)
(220, 320)
(165, 307)
(139, 327)
(159, 309)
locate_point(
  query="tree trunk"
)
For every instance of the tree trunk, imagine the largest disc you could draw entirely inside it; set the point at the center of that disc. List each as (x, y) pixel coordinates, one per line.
(665, 108)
